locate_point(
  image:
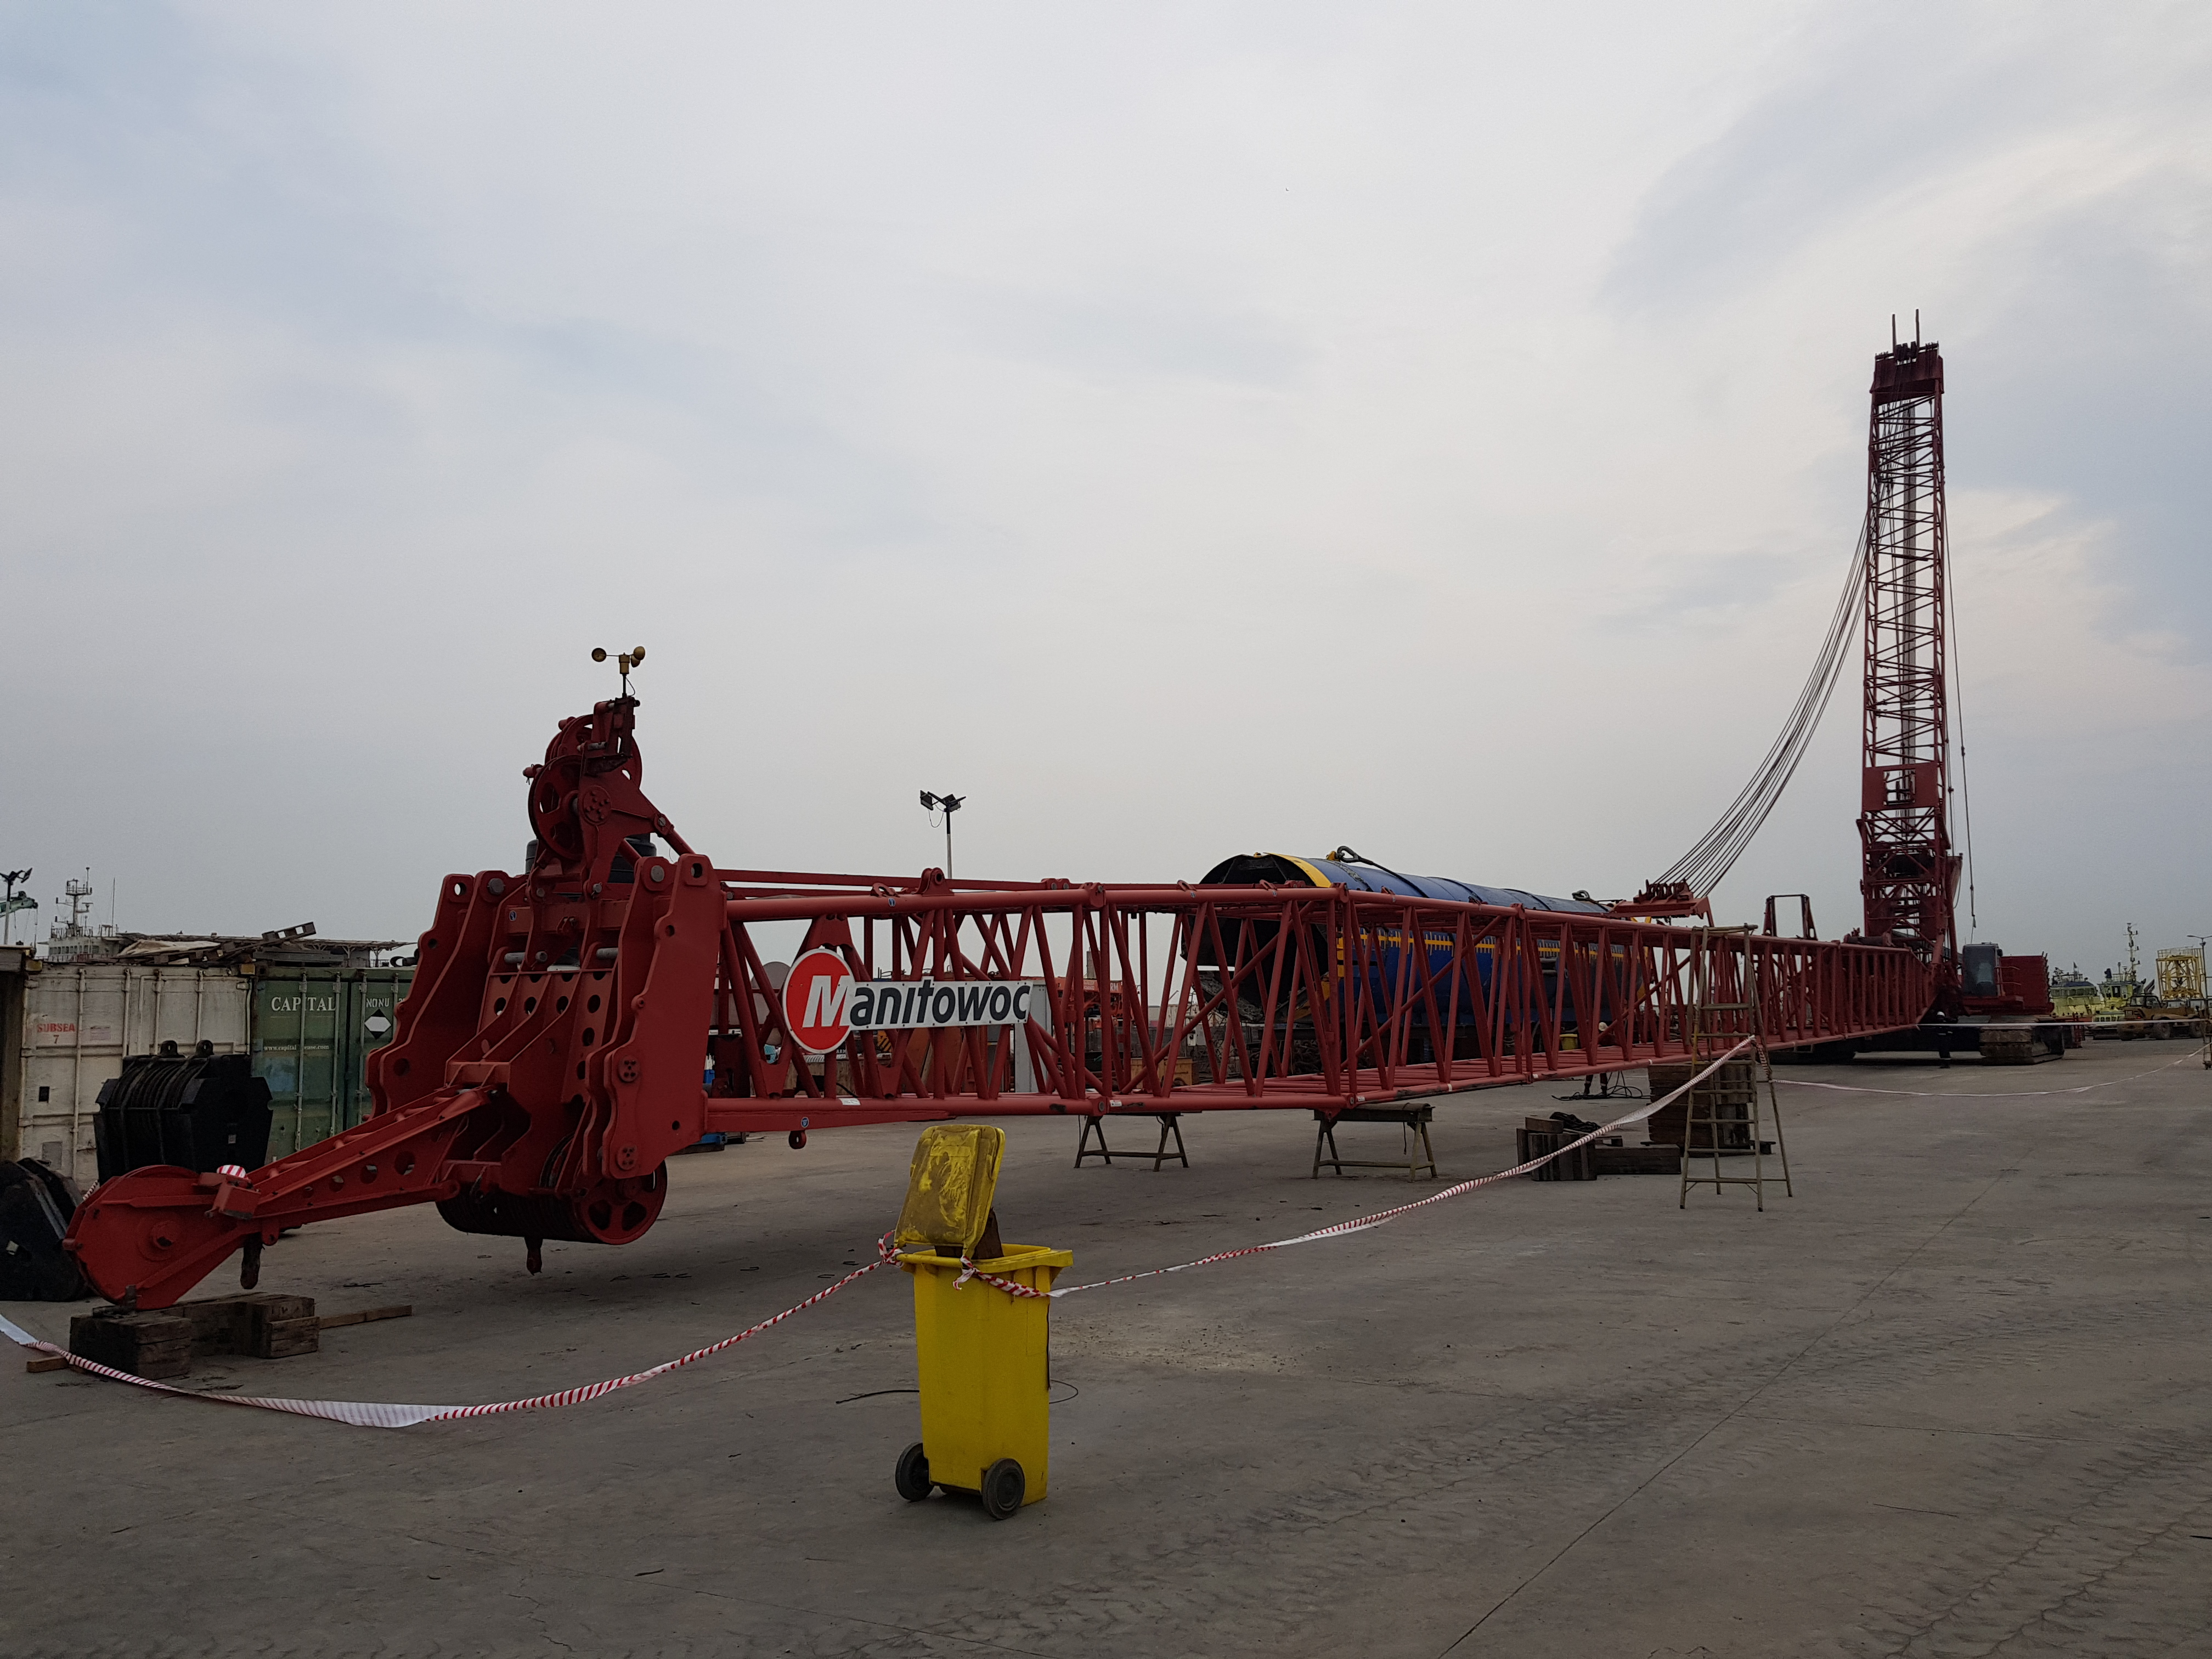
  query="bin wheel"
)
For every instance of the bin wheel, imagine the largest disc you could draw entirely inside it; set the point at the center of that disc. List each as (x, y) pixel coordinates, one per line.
(1003, 1487)
(912, 1477)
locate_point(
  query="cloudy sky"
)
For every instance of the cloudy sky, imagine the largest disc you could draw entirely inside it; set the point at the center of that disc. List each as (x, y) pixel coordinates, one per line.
(1183, 430)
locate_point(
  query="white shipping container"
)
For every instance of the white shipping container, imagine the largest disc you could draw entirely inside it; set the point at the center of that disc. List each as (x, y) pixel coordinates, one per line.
(81, 1019)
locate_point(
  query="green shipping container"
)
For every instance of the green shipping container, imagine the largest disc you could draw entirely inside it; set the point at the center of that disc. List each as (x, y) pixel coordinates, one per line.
(312, 1031)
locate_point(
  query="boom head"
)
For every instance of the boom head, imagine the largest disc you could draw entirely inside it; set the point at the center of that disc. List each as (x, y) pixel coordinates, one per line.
(587, 806)
(546, 1062)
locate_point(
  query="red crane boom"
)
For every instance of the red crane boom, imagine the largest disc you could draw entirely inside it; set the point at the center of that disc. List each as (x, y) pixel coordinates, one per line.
(553, 1051)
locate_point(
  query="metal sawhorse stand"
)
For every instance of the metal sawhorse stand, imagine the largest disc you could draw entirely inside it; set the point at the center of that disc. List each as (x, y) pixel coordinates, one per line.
(1095, 1123)
(1414, 1118)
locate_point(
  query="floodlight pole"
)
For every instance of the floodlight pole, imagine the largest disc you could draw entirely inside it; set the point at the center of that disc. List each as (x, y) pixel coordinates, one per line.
(947, 805)
(14, 878)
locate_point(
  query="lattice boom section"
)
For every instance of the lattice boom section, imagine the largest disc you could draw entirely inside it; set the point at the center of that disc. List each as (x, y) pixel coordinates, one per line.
(1909, 873)
(1193, 998)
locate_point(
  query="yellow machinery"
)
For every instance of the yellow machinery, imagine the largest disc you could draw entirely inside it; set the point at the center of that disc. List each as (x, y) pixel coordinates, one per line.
(979, 1348)
(2171, 1004)
(2181, 976)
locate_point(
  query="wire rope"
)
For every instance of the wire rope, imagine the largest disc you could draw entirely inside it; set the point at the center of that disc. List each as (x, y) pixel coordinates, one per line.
(1717, 850)
(1957, 680)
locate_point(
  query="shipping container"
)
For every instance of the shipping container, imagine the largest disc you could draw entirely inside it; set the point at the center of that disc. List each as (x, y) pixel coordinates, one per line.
(313, 1030)
(309, 1030)
(81, 1018)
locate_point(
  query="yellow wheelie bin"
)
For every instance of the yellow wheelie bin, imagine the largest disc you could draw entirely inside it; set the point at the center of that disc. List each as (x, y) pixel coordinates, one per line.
(980, 1349)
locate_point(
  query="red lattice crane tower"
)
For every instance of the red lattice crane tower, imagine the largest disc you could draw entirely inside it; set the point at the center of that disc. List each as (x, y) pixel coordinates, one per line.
(1910, 874)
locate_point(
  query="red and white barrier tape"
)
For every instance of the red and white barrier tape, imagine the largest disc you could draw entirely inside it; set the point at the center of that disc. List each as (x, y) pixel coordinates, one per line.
(1383, 1218)
(379, 1416)
(2015, 1094)
(370, 1415)
(1013, 1287)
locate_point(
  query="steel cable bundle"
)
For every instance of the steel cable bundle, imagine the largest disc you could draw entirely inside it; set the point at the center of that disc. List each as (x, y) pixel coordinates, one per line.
(1717, 851)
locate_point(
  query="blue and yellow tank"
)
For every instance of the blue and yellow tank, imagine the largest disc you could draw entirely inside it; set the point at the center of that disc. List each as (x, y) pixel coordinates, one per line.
(1359, 876)
(1250, 869)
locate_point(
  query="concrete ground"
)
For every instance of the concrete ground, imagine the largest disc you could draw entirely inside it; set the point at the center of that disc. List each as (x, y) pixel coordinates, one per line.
(1951, 1398)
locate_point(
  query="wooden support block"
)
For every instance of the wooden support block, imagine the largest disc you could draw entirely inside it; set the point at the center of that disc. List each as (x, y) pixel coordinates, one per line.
(217, 1322)
(1726, 1095)
(283, 1338)
(1577, 1165)
(259, 1324)
(368, 1315)
(279, 1327)
(47, 1361)
(154, 1345)
(1660, 1159)
(273, 1305)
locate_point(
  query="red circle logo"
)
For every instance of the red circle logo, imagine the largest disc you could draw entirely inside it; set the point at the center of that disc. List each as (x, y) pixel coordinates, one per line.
(818, 1001)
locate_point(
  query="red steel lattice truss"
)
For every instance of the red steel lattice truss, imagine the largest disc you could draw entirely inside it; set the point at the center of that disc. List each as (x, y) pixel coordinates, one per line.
(548, 1061)
(1910, 874)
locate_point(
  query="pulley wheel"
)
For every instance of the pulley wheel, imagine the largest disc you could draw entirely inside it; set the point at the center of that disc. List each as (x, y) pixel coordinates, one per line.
(617, 1212)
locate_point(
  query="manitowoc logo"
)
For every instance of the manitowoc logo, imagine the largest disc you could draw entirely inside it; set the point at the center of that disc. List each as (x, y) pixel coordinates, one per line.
(824, 1004)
